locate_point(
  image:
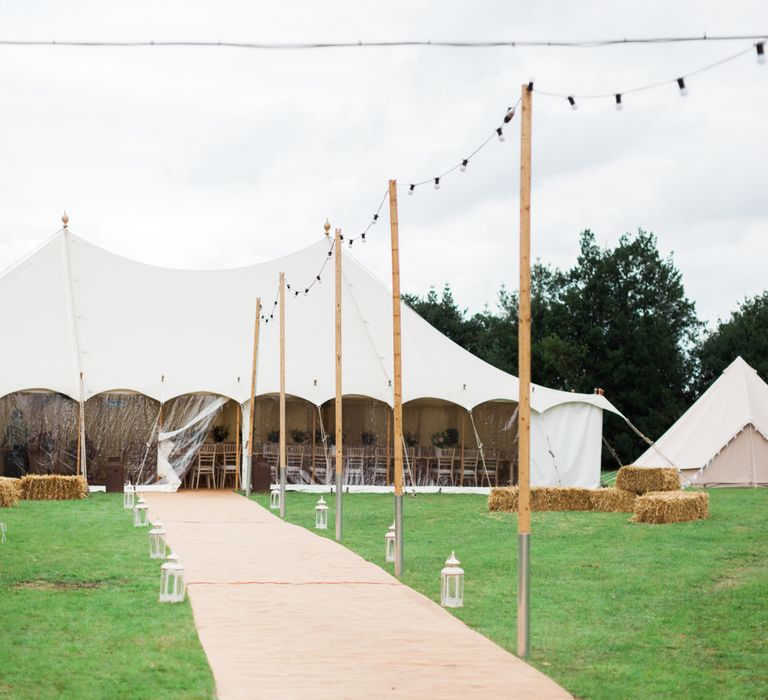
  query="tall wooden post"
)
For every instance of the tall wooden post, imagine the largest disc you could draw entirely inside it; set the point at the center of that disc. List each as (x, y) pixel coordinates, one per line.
(397, 379)
(389, 445)
(283, 474)
(524, 372)
(252, 411)
(339, 432)
(238, 443)
(82, 446)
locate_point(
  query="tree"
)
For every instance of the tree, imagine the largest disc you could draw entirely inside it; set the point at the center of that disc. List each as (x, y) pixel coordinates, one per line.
(745, 333)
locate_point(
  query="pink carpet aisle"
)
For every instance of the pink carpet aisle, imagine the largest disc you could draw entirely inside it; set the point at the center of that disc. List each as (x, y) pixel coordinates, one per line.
(283, 613)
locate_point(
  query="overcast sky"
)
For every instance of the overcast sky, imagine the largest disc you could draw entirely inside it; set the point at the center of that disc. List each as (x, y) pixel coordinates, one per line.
(220, 157)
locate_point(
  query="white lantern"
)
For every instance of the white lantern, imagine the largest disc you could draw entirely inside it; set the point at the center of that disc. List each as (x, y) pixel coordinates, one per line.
(157, 541)
(172, 587)
(274, 498)
(389, 544)
(129, 494)
(321, 515)
(452, 584)
(140, 514)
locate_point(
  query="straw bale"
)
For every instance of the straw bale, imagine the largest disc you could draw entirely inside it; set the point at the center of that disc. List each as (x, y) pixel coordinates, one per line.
(612, 500)
(671, 507)
(10, 491)
(542, 498)
(53, 487)
(641, 480)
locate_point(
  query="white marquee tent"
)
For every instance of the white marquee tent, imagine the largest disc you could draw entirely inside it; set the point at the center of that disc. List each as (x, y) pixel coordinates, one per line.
(81, 321)
(722, 440)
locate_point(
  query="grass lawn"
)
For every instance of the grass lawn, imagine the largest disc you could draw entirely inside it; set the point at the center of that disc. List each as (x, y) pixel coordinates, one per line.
(79, 616)
(618, 610)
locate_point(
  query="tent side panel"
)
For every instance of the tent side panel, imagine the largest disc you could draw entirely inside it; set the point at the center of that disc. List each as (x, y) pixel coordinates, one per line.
(733, 466)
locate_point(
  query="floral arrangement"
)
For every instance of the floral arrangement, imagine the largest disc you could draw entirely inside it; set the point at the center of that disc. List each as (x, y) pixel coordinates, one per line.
(368, 438)
(273, 436)
(446, 438)
(411, 439)
(219, 433)
(299, 437)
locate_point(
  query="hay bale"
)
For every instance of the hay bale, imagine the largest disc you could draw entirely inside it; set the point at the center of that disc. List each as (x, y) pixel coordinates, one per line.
(549, 498)
(53, 487)
(671, 507)
(613, 500)
(641, 480)
(10, 491)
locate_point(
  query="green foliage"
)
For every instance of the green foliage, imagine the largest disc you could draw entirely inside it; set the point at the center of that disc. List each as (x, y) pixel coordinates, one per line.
(618, 610)
(745, 333)
(618, 319)
(79, 616)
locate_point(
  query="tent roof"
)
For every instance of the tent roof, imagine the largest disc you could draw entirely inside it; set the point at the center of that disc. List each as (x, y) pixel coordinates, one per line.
(75, 308)
(736, 399)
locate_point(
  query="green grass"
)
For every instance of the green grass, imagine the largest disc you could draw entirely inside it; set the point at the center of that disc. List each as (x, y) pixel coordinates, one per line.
(79, 616)
(618, 610)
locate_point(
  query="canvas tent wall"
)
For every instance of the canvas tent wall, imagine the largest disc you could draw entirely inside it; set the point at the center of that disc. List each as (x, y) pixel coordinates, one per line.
(722, 439)
(161, 332)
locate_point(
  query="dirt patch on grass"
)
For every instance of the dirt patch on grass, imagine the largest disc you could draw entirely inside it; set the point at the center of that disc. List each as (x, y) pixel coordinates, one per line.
(59, 585)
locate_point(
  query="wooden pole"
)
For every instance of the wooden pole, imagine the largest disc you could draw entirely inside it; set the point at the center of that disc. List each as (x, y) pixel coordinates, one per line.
(397, 378)
(462, 450)
(82, 446)
(389, 445)
(283, 475)
(524, 372)
(252, 411)
(339, 432)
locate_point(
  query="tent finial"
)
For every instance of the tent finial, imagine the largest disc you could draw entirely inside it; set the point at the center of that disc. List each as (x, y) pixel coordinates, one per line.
(65, 219)
(327, 227)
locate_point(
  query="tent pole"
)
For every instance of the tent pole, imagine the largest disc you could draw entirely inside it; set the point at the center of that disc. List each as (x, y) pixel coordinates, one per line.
(339, 432)
(397, 379)
(252, 411)
(239, 410)
(82, 456)
(314, 444)
(282, 395)
(524, 372)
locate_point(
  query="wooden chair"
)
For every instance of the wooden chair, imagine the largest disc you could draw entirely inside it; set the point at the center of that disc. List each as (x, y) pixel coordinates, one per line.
(492, 467)
(355, 465)
(380, 463)
(444, 465)
(271, 453)
(229, 464)
(469, 471)
(206, 466)
(294, 464)
(320, 465)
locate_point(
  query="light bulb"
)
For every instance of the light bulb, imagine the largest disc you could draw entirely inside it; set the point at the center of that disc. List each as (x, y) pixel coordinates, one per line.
(411, 189)
(572, 102)
(363, 237)
(760, 48)
(500, 133)
(463, 166)
(681, 85)
(437, 183)
(619, 105)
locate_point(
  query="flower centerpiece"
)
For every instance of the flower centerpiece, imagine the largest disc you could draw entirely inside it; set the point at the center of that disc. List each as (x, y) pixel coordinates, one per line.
(446, 438)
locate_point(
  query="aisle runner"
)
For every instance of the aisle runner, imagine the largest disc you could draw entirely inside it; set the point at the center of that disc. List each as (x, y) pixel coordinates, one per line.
(282, 613)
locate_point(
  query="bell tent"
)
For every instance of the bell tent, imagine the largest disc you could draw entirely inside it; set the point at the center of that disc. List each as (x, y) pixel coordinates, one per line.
(722, 439)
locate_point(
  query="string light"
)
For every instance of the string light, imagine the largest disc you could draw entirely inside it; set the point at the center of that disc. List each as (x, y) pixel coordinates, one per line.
(619, 105)
(463, 166)
(500, 133)
(572, 102)
(362, 235)
(683, 88)
(760, 48)
(437, 183)
(411, 188)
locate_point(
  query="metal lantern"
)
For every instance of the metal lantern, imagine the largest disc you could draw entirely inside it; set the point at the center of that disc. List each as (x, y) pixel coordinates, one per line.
(172, 588)
(321, 515)
(140, 514)
(274, 498)
(129, 494)
(157, 541)
(389, 544)
(452, 584)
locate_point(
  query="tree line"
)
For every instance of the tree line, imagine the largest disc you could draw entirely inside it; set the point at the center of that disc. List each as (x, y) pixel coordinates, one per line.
(619, 319)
